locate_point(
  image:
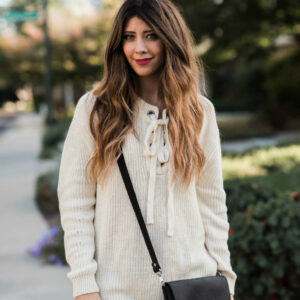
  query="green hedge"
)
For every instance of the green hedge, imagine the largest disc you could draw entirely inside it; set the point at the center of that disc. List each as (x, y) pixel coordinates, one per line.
(264, 241)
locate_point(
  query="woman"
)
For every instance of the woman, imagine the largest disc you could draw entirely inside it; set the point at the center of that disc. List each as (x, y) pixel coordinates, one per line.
(149, 102)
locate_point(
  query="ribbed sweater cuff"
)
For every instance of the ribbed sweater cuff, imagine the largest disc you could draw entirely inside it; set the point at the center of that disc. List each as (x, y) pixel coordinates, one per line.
(231, 284)
(84, 284)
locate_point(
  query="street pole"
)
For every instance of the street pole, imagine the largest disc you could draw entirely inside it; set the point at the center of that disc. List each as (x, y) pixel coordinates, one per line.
(47, 59)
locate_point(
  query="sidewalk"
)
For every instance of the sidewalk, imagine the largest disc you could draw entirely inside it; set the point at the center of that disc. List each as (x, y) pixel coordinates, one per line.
(240, 146)
(23, 277)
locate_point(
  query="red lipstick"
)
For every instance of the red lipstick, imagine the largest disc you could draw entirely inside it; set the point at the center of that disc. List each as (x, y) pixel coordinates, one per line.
(144, 61)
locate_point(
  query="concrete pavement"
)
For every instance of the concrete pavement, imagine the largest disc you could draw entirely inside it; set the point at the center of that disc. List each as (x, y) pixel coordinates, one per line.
(240, 146)
(23, 277)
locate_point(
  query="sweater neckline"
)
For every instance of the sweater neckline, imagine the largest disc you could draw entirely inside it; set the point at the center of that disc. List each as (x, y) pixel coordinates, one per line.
(151, 107)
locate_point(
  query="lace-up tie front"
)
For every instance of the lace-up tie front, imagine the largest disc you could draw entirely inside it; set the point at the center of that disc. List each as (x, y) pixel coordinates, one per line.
(157, 150)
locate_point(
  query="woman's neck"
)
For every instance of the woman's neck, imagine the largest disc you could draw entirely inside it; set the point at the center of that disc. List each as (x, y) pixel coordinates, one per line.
(148, 90)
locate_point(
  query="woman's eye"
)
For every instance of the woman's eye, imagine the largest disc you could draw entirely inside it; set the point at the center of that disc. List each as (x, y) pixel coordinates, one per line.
(154, 36)
(126, 36)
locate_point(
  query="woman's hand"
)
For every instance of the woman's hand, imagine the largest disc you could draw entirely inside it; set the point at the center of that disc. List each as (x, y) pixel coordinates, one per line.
(90, 296)
(231, 297)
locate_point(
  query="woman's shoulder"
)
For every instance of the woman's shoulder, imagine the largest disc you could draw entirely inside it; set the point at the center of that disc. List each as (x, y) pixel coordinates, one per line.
(209, 113)
(85, 105)
(210, 131)
(80, 124)
(207, 105)
(86, 101)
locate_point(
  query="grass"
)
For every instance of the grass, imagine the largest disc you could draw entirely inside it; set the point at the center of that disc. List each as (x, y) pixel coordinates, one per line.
(274, 167)
(280, 181)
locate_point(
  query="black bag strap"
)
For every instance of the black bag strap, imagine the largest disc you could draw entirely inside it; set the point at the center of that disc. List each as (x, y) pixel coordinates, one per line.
(137, 210)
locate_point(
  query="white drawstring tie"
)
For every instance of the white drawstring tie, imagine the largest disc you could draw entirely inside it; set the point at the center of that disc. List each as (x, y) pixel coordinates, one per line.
(158, 149)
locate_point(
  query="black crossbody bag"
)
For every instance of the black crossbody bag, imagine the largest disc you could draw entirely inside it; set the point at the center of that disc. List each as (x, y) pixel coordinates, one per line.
(204, 288)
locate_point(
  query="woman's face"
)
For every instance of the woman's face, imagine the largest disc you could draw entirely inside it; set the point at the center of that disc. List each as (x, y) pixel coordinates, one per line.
(139, 43)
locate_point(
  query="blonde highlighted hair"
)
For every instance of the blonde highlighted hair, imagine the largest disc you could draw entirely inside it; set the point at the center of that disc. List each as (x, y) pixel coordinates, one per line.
(181, 78)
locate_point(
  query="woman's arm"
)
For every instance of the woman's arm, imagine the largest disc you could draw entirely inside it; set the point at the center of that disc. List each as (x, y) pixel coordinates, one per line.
(76, 201)
(212, 197)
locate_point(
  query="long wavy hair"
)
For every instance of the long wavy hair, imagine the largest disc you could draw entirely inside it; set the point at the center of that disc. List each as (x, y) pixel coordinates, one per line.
(181, 78)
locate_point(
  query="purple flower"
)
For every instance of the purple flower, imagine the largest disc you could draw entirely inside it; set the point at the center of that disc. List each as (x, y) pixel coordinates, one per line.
(58, 262)
(35, 251)
(43, 243)
(47, 239)
(54, 231)
(51, 257)
(45, 236)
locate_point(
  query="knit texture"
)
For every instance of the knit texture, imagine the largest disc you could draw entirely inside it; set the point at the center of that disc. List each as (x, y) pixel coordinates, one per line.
(189, 228)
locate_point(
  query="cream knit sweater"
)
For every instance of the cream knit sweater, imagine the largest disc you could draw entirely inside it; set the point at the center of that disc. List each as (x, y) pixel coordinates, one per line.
(188, 229)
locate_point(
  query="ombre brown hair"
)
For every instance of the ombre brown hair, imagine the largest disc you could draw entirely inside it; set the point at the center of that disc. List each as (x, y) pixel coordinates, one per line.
(181, 78)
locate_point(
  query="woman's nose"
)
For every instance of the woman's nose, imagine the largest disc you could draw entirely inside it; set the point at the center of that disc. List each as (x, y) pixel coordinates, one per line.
(140, 45)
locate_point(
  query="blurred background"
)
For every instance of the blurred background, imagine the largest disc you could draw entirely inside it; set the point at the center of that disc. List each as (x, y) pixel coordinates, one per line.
(52, 51)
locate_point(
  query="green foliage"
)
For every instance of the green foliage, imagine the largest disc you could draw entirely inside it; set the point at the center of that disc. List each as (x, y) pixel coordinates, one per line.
(54, 252)
(263, 211)
(278, 159)
(239, 62)
(77, 53)
(261, 162)
(237, 84)
(267, 85)
(282, 73)
(46, 194)
(264, 240)
(51, 246)
(259, 22)
(54, 133)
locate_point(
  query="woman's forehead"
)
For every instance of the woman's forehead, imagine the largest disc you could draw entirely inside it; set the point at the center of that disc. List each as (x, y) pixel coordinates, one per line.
(136, 23)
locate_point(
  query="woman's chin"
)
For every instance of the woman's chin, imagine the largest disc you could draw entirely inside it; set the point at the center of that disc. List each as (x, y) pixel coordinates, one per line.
(145, 73)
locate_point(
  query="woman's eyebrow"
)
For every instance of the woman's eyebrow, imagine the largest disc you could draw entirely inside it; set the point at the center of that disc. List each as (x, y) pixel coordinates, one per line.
(134, 31)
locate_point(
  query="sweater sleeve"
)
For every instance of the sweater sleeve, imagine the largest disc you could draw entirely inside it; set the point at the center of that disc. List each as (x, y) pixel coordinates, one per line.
(77, 197)
(212, 197)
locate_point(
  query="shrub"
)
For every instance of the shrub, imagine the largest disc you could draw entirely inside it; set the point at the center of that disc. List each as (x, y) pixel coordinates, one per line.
(264, 241)
(54, 133)
(46, 194)
(51, 246)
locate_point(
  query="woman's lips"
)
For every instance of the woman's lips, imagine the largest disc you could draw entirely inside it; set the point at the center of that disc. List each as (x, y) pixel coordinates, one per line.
(143, 61)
